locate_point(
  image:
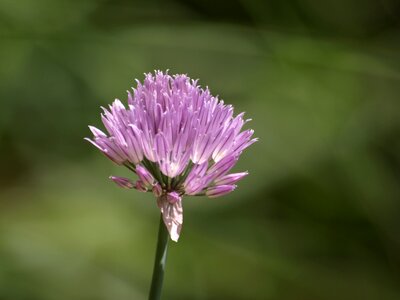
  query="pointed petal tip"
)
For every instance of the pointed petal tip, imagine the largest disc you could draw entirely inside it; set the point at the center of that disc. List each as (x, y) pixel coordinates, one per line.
(96, 132)
(95, 144)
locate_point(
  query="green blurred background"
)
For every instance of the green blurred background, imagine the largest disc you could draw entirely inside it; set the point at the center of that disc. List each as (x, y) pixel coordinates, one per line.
(318, 218)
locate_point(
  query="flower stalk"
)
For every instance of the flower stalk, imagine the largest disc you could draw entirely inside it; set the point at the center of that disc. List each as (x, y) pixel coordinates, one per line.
(159, 262)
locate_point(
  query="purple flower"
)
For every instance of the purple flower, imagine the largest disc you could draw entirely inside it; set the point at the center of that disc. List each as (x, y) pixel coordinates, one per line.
(179, 140)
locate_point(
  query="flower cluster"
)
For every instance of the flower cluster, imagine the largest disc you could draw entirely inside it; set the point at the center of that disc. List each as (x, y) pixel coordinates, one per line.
(178, 139)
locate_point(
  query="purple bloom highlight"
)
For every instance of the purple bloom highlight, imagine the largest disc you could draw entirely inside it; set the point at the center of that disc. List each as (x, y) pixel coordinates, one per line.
(179, 140)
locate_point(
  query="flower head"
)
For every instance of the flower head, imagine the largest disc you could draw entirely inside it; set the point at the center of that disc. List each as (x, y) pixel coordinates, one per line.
(179, 140)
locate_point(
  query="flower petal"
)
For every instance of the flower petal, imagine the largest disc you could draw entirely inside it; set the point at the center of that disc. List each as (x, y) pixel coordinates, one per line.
(230, 178)
(219, 190)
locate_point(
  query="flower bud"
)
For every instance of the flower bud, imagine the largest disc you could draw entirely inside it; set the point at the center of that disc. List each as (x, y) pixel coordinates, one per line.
(145, 176)
(139, 185)
(122, 182)
(173, 197)
(157, 190)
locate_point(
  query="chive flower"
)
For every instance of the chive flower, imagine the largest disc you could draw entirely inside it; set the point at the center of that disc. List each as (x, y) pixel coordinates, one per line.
(178, 139)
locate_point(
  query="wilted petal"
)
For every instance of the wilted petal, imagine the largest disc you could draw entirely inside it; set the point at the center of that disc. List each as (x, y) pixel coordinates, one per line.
(172, 216)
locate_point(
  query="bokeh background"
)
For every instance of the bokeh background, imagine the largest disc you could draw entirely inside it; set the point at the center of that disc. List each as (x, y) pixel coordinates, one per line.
(319, 216)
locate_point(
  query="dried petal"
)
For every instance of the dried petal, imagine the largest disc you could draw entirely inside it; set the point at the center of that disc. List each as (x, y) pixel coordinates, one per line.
(172, 216)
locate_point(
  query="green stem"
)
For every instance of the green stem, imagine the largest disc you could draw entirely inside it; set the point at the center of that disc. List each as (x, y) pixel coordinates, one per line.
(159, 263)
